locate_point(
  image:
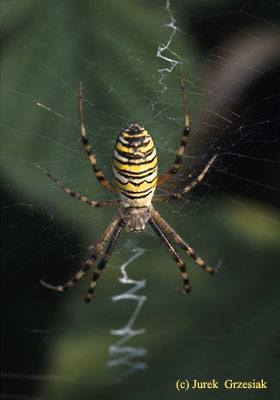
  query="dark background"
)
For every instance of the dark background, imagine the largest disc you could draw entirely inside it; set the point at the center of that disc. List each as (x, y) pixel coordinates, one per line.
(55, 346)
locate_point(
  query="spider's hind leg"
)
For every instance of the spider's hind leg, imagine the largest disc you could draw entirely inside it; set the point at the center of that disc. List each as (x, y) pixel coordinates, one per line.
(78, 196)
(98, 173)
(185, 135)
(190, 186)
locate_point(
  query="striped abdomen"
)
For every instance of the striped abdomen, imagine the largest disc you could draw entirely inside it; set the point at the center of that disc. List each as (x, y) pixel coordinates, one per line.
(135, 166)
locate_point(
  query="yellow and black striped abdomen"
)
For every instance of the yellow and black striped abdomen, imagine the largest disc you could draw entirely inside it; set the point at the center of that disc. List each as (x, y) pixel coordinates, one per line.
(135, 166)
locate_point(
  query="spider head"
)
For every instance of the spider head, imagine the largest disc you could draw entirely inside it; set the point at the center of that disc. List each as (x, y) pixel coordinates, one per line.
(135, 218)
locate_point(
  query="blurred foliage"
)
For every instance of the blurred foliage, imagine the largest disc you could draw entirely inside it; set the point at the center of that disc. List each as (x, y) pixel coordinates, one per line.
(226, 328)
(116, 65)
(221, 330)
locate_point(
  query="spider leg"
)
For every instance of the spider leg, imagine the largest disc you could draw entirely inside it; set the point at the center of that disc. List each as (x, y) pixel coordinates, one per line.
(173, 254)
(177, 238)
(190, 186)
(84, 199)
(186, 131)
(100, 245)
(100, 177)
(104, 260)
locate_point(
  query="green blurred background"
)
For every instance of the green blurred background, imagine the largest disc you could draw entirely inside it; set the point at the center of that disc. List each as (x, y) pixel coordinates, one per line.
(55, 346)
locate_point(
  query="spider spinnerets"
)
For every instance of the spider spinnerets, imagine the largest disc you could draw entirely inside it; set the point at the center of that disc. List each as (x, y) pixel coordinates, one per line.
(135, 181)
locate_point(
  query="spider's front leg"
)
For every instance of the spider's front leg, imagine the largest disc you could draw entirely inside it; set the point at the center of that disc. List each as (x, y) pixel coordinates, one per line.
(173, 253)
(104, 260)
(99, 247)
(177, 238)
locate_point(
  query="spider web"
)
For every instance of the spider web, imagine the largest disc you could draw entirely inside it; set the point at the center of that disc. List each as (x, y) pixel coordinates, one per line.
(137, 332)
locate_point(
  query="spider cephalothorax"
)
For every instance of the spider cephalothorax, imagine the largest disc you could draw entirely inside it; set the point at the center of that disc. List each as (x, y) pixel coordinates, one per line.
(135, 180)
(135, 218)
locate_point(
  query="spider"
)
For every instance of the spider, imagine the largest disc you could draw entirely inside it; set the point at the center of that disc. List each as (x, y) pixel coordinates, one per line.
(135, 180)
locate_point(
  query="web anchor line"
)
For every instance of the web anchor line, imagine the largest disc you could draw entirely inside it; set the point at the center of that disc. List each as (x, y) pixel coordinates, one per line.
(124, 355)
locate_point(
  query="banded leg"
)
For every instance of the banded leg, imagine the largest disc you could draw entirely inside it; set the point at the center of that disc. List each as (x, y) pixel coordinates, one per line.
(104, 260)
(100, 177)
(84, 199)
(177, 238)
(186, 132)
(90, 260)
(174, 255)
(190, 186)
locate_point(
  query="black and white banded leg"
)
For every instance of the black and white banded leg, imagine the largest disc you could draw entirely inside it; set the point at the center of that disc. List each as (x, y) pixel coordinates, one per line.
(78, 196)
(174, 255)
(177, 238)
(186, 131)
(190, 186)
(98, 173)
(99, 247)
(104, 260)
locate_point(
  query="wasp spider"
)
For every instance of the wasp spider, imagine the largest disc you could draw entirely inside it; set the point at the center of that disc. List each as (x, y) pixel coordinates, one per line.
(135, 181)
